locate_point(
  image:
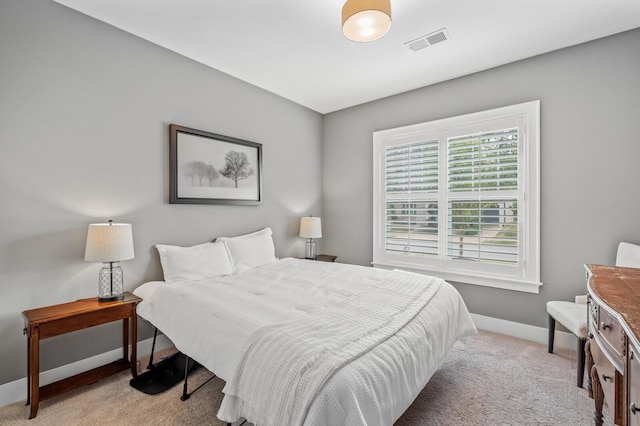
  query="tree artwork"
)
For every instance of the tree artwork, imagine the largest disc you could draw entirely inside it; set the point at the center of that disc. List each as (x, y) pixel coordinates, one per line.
(206, 168)
(190, 171)
(236, 166)
(211, 173)
(200, 171)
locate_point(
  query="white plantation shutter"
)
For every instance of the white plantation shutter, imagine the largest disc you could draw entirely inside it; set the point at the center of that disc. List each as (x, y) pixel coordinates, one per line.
(411, 180)
(449, 198)
(412, 168)
(483, 231)
(482, 172)
(484, 161)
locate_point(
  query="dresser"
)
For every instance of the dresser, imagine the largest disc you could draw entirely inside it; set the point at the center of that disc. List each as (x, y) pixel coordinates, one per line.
(613, 344)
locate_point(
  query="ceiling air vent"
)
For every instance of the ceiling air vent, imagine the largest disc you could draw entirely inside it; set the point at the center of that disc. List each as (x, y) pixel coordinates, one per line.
(429, 39)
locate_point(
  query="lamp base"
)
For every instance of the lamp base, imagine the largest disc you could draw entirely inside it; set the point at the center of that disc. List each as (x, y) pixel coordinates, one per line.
(110, 283)
(110, 298)
(310, 249)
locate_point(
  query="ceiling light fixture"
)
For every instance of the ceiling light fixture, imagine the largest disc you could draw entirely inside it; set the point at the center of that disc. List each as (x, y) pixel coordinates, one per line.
(366, 20)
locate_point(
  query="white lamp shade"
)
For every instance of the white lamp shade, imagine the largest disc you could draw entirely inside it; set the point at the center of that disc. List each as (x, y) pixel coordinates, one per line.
(310, 227)
(366, 20)
(109, 242)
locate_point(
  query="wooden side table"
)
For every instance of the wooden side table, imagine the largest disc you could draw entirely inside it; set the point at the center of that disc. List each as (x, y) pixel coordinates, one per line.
(326, 258)
(323, 258)
(50, 321)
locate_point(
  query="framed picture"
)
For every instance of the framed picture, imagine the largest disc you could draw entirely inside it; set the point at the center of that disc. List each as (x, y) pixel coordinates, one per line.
(207, 168)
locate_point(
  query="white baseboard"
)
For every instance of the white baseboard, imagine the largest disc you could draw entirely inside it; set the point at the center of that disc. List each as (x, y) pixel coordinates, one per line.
(563, 340)
(17, 390)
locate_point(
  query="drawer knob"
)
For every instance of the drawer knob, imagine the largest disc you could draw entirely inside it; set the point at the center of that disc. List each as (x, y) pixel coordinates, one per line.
(607, 378)
(605, 326)
(633, 408)
(590, 335)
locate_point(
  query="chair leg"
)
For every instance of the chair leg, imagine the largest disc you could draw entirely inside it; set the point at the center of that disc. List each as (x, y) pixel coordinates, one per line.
(552, 332)
(581, 359)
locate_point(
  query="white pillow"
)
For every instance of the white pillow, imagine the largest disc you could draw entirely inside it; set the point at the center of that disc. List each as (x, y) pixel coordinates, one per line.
(181, 264)
(249, 251)
(263, 231)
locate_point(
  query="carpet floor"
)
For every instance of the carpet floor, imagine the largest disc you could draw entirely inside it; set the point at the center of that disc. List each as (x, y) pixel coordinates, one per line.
(491, 380)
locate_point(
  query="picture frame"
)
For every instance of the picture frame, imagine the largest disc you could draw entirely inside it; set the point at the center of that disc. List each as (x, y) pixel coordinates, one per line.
(208, 168)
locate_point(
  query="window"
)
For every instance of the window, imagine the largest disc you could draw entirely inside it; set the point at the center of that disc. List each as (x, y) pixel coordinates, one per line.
(459, 198)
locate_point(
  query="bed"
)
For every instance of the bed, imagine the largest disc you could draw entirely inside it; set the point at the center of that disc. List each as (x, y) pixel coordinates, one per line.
(225, 319)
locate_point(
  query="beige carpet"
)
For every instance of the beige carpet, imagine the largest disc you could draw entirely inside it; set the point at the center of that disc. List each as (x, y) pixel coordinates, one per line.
(492, 380)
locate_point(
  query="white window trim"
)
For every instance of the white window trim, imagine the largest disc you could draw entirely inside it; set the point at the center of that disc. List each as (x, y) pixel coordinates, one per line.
(530, 280)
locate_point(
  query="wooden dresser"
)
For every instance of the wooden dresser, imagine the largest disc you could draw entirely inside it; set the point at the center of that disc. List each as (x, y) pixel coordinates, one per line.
(613, 345)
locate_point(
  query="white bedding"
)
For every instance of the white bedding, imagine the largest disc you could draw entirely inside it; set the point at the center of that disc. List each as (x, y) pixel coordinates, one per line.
(210, 320)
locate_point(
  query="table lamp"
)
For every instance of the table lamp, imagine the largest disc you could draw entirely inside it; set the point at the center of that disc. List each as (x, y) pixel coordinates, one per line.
(109, 243)
(310, 227)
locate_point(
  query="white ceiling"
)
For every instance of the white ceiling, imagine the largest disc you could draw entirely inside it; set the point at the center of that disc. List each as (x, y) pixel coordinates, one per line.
(295, 48)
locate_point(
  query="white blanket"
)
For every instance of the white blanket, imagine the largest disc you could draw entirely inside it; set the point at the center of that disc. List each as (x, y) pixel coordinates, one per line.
(211, 320)
(294, 359)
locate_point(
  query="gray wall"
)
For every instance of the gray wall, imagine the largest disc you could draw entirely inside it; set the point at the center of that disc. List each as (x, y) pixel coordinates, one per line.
(84, 116)
(590, 151)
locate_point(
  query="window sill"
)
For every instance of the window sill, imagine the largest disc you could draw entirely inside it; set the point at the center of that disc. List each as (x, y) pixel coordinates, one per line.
(486, 281)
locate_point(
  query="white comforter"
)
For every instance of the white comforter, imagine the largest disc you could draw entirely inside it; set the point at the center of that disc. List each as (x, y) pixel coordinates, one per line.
(211, 320)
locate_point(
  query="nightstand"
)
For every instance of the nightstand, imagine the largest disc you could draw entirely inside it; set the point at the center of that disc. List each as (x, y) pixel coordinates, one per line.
(326, 258)
(50, 321)
(322, 258)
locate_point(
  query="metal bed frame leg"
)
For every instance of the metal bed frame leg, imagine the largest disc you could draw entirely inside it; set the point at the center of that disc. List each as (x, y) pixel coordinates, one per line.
(153, 347)
(186, 395)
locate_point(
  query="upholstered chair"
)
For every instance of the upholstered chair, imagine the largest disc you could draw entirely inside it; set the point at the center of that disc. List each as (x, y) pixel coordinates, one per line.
(573, 315)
